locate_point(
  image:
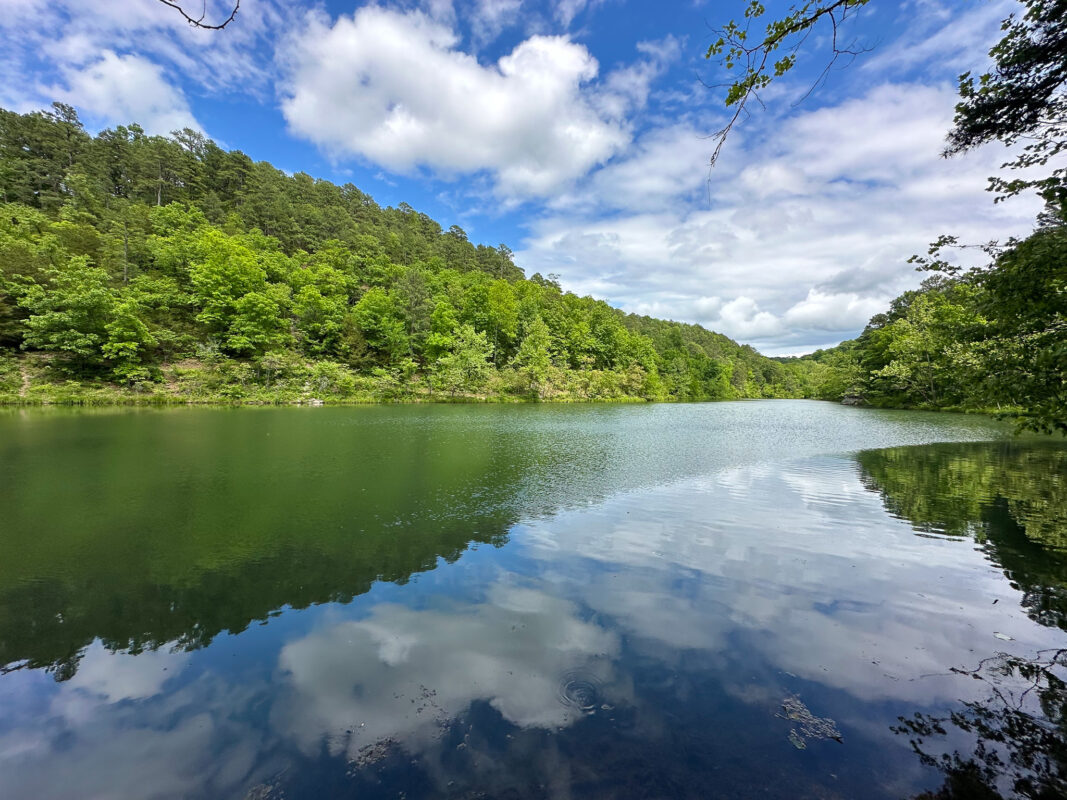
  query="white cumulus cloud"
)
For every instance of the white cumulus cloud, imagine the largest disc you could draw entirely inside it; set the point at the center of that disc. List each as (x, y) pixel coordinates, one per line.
(801, 235)
(135, 61)
(121, 89)
(394, 88)
(833, 311)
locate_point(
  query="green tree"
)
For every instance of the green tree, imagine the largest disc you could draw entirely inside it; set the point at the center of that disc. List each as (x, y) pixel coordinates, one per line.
(382, 325)
(320, 320)
(927, 344)
(128, 340)
(225, 272)
(414, 295)
(1025, 299)
(258, 323)
(70, 315)
(503, 319)
(466, 366)
(36, 152)
(534, 357)
(443, 324)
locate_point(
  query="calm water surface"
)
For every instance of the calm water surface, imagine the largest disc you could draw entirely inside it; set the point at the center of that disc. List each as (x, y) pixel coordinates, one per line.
(716, 600)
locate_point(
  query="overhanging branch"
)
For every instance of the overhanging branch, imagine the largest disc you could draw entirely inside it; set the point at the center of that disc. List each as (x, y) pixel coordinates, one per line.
(198, 22)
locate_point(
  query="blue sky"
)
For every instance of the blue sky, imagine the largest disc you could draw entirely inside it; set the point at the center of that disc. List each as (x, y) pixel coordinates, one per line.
(575, 131)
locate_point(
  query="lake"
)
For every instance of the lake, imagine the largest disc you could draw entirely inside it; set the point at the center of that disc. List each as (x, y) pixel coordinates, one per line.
(775, 599)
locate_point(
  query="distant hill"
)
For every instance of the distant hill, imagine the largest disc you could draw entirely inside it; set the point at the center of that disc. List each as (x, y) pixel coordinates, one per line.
(149, 268)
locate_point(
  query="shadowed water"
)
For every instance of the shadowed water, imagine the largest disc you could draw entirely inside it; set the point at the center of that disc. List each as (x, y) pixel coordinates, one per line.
(716, 600)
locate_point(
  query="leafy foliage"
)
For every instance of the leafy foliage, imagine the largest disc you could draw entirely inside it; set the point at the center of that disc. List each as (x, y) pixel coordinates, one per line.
(169, 266)
(750, 57)
(989, 339)
(1023, 97)
(466, 366)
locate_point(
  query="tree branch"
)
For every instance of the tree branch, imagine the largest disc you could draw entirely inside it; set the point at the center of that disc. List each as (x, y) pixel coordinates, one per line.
(198, 22)
(753, 61)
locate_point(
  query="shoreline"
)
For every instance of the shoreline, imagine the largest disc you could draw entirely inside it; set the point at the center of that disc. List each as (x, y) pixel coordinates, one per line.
(25, 382)
(173, 401)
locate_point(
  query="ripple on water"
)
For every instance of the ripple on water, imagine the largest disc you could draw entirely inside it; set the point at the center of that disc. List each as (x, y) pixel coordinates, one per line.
(580, 689)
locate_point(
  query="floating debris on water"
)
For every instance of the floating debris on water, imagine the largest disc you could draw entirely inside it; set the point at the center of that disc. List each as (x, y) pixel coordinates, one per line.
(811, 727)
(370, 754)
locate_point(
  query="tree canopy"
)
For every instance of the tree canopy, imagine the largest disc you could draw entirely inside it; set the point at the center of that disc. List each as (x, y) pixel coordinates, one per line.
(167, 267)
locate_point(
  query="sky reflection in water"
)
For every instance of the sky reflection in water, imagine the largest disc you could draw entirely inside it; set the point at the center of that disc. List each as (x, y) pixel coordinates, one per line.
(640, 645)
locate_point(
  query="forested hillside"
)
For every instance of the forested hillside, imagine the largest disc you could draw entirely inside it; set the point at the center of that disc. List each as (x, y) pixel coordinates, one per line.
(990, 339)
(148, 268)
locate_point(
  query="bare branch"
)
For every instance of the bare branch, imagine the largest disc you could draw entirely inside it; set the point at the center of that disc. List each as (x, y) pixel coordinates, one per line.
(198, 22)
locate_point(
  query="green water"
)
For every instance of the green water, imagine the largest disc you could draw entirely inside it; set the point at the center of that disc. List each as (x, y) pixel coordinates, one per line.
(562, 601)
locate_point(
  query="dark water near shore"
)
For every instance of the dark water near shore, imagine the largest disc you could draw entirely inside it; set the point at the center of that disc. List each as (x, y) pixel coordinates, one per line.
(716, 600)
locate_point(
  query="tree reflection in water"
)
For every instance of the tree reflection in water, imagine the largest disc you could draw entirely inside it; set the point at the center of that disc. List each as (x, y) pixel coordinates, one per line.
(1013, 500)
(1019, 734)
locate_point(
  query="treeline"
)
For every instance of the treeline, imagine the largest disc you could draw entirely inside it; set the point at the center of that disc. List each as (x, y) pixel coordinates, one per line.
(167, 267)
(990, 339)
